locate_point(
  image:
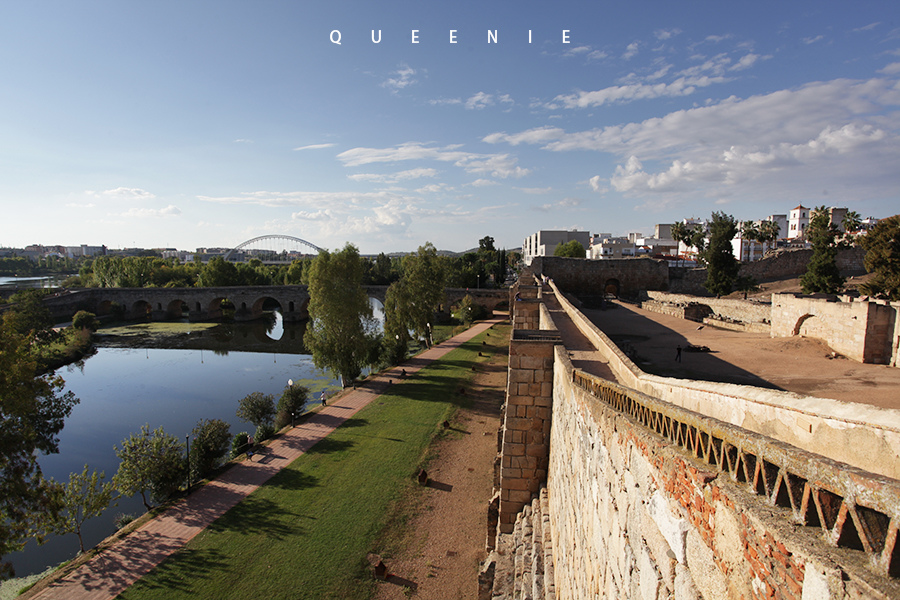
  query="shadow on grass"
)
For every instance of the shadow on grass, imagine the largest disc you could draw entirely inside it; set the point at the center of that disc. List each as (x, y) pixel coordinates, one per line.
(328, 445)
(355, 422)
(261, 516)
(181, 574)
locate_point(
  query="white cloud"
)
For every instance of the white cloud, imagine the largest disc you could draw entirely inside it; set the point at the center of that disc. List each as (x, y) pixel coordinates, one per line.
(868, 27)
(535, 191)
(482, 183)
(243, 141)
(631, 50)
(813, 40)
(597, 184)
(531, 136)
(394, 177)
(315, 147)
(497, 165)
(124, 193)
(683, 86)
(561, 205)
(479, 101)
(400, 79)
(746, 61)
(665, 34)
(445, 101)
(891, 69)
(142, 213)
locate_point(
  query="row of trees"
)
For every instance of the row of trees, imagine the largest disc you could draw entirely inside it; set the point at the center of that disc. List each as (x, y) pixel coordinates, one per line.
(486, 267)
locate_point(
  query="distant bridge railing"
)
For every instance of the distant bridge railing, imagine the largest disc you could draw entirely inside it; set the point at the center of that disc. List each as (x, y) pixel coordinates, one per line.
(854, 509)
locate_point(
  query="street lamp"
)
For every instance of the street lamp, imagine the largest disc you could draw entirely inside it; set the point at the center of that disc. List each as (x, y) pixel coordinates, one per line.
(187, 442)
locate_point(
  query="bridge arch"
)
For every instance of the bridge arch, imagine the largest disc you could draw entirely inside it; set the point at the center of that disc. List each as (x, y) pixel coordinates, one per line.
(278, 250)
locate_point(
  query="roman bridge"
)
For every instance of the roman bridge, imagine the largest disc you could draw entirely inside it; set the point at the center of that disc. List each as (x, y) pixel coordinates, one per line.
(212, 303)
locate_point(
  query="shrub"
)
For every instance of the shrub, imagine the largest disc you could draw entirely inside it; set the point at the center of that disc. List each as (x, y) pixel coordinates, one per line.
(257, 408)
(239, 444)
(292, 400)
(468, 311)
(85, 320)
(209, 446)
(121, 520)
(264, 432)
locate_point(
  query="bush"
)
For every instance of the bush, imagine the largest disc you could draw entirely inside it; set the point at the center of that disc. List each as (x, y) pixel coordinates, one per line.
(239, 444)
(468, 311)
(257, 408)
(85, 320)
(210, 445)
(121, 520)
(264, 432)
(292, 400)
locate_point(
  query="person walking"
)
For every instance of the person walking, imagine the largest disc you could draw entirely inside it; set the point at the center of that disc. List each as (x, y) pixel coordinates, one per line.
(322, 397)
(678, 353)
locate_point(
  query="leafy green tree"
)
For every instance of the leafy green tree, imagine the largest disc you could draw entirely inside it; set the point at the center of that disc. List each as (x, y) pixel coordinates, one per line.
(218, 273)
(84, 497)
(468, 311)
(573, 249)
(721, 265)
(423, 282)
(293, 399)
(257, 408)
(85, 320)
(211, 442)
(30, 317)
(822, 274)
(341, 334)
(150, 462)
(882, 246)
(32, 413)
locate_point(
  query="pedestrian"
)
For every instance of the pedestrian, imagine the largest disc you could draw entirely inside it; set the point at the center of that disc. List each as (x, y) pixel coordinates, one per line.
(678, 353)
(322, 397)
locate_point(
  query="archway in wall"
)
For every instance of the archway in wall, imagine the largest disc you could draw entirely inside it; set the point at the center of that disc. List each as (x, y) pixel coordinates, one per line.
(221, 309)
(105, 308)
(812, 326)
(611, 288)
(799, 325)
(271, 313)
(141, 310)
(178, 309)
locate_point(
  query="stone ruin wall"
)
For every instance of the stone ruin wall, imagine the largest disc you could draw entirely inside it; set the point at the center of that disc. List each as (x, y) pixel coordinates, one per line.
(864, 331)
(635, 516)
(744, 311)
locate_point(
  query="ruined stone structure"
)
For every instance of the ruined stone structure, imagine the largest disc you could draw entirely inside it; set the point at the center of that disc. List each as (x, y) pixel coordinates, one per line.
(203, 304)
(663, 488)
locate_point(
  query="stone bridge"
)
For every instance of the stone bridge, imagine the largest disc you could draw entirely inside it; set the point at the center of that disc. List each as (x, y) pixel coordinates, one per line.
(211, 303)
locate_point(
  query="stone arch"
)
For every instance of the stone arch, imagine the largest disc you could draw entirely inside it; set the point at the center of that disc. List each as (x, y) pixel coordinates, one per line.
(264, 303)
(177, 309)
(611, 287)
(799, 325)
(105, 307)
(141, 310)
(220, 308)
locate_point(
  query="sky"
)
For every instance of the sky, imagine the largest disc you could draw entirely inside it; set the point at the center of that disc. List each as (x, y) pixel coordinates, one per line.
(207, 123)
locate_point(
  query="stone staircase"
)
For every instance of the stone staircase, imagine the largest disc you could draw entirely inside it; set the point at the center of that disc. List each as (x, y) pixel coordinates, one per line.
(521, 568)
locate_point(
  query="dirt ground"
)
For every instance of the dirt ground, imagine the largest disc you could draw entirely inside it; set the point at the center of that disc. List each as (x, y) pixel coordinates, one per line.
(796, 364)
(445, 540)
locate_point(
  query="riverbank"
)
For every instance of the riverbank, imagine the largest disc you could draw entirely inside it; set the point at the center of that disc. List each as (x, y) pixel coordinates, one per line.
(325, 510)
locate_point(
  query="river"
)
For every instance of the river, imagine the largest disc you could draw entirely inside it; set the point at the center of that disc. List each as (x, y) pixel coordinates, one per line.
(122, 388)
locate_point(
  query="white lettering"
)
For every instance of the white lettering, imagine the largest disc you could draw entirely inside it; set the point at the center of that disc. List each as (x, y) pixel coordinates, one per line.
(374, 41)
(338, 40)
(415, 36)
(452, 36)
(565, 36)
(492, 36)
(529, 36)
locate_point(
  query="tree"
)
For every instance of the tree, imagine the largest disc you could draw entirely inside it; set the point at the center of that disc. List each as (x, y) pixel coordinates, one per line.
(851, 223)
(150, 461)
(693, 237)
(721, 265)
(768, 232)
(257, 408)
(292, 400)
(882, 246)
(822, 274)
(85, 320)
(421, 291)
(212, 440)
(341, 335)
(32, 413)
(573, 249)
(83, 498)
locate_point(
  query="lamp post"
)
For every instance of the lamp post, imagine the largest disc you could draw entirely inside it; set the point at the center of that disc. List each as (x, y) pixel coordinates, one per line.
(187, 443)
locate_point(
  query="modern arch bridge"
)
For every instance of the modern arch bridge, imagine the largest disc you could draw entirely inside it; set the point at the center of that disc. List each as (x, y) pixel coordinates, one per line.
(205, 304)
(272, 249)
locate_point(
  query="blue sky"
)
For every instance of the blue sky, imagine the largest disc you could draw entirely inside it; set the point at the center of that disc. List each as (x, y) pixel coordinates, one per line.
(186, 124)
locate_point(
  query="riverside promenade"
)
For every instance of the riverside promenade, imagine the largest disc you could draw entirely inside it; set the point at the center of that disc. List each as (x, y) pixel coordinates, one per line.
(109, 573)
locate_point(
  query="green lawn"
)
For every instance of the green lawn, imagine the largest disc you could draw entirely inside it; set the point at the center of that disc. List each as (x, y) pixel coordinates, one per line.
(306, 533)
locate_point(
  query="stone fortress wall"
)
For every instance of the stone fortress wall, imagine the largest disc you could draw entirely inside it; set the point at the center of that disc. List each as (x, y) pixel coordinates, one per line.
(664, 488)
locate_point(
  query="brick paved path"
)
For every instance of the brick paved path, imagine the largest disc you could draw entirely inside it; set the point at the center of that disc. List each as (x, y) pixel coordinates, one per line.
(111, 572)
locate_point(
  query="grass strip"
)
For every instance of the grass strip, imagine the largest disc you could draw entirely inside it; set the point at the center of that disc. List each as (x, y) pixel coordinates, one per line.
(306, 533)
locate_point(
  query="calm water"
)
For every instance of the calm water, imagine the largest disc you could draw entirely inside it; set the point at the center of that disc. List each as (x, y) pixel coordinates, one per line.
(121, 389)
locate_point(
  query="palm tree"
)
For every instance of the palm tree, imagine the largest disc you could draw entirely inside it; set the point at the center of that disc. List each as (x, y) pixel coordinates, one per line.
(768, 232)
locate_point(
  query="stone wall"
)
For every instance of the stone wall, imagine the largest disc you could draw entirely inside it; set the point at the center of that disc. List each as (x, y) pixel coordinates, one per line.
(632, 515)
(745, 311)
(787, 264)
(864, 436)
(865, 331)
(593, 278)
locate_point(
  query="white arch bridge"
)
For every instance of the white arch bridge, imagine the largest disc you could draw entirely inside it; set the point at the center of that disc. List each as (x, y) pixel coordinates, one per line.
(272, 249)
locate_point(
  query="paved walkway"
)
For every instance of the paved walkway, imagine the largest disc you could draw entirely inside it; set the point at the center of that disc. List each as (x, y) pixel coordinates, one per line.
(108, 574)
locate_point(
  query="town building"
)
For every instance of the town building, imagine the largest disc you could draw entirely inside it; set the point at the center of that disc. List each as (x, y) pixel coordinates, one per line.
(544, 242)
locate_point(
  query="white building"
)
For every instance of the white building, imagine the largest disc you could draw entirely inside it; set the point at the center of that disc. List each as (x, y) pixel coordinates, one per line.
(611, 247)
(544, 242)
(798, 221)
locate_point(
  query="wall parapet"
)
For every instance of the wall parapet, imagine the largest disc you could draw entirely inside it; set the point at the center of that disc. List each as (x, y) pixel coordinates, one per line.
(854, 509)
(866, 437)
